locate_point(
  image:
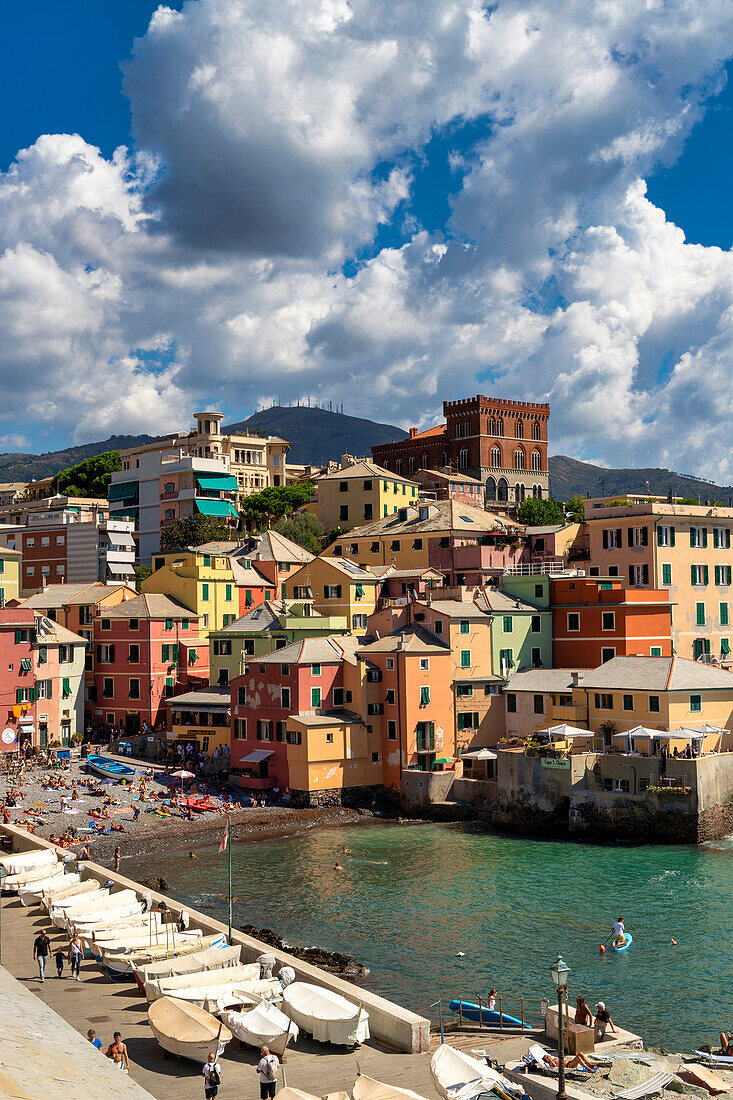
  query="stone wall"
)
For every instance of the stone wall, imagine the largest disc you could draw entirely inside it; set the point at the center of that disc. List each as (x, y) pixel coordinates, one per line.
(421, 789)
(342, 796)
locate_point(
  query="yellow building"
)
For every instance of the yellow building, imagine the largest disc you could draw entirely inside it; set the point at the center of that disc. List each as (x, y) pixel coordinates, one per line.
(683, 548)
(201, 718)
(328, 752)
(361, 492)
(337, 587)
(202, 582)
(9, 575)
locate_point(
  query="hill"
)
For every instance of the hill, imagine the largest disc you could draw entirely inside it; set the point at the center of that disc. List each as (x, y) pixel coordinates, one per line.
(569, 476)
(318, 435)
(20, 467)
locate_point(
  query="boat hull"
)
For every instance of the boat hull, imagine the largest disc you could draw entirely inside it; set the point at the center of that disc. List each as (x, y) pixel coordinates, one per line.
(469, 1010)
(624, 946)
(187, 1032)
(109, 769)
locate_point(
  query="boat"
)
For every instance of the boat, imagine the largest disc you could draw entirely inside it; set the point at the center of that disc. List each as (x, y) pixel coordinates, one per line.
(262, 1026)
(368, 1088)
(140, 960)
(198, 805)
(88, 920)
(177, 984)
(14, 883)
(59, 909)
(458, 1076)
(325, 1015)
(625, 945)
(186, 1030)
(32, 892)
(25, 861)
(91, 907)
(704, 1077)
(482, 1014)
(116, 959)
(109, 769)
(52, 896)
(196, 962)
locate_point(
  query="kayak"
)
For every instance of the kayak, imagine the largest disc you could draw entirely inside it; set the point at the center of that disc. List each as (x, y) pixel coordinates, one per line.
(469, 1010)
(624, 946)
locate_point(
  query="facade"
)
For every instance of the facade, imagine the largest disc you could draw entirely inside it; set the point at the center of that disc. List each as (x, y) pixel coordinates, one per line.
(443, 485)
(201, 582)
(684, 549)
(501, 443)
(558, 546)
(336, 587)
(594, 621)
(10, 567)
(201, 718)
(271, 555)
(360, 492)
(145, 650)
(18, 512)
(467, 545)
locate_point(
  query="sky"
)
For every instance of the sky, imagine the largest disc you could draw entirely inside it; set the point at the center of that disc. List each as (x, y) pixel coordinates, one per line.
(230, 202)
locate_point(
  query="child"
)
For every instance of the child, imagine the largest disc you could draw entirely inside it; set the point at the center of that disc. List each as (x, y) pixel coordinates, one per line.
(59, 957)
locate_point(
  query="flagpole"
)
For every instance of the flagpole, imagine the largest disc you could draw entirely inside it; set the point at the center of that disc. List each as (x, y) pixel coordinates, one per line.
(229, 846)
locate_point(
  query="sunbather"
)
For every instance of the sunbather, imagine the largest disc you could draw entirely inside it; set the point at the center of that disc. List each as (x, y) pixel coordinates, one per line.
(726, 1044)
(578, 1060)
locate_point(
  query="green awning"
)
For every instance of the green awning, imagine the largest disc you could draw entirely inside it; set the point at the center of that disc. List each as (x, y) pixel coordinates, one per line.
(126, 490)
(216, 508)
(725, 645)
(224, 482)
(360, 590)
(128, 511)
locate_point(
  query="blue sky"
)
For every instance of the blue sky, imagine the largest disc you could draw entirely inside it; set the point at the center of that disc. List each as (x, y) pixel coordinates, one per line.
(490, 220)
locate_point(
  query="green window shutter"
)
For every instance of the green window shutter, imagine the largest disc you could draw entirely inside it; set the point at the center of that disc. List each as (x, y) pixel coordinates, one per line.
(359, 590)
(165, 655)
(2, 565)
(185, 624)
(727, 538)
(700, 612)
(727, 574)
(507, 624)
(169, 681)
(424, 696)
(705, 574)
(465, 658)
(724, 645)
(693, 574)
(692, 537)
(715, 538)
(717, 575)
(66, 689)
(704, 537)
(49, 689)
(666, 574)
(18, 637)
(659, 536)
(204, 591)
(174, 652)
(32, 695)
(315, 697)
(724, 614)
(228, 592)
(19, 695)
(671, 536)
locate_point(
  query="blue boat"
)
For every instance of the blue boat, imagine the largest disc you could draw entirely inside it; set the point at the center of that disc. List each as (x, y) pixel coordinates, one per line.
(624, 946)
(480, 1014)
(109, 769)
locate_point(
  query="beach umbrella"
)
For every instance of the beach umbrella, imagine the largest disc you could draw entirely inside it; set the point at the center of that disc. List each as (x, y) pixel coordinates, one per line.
(182, 774)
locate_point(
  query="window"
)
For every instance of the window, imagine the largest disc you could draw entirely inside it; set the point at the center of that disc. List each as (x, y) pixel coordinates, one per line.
(438, 626)
(506, 657)
(390, 697)
(134, 691)
(395, 544)
(391, 730)
(699, 575)
(698, 537)
(536, 461)
(375, 758)
(108, 688)
(536, 657)
(539, 591)
(495, 457)
(628, 702)
(536, 624)
(444, 542)
(374, 548)
(463, 459)
(465, 626)
(285, 697)
(507, 624)
(538, 704)
(464, 690)
(344, 512)
(608, 620)
(655, 651)
(204, 592)
(468, 721)
(723, 608)
(315, 670)
(665, 536)
(666, 574)
(638, 575)
(105, 654)
(604, 701)
(134, 655)
(638, 536)
(424, 696)
(424, 664)
(700, 614)
(417, 544)
(390, 663)
(358, 622)
(573, 620)
(241, 695)
(332, 592)
(654, 704)
(721, 538)
(607, 654)
(105, 624)
(613, 570)
(722, 575)
(696, 703)
(511, 702)
(343, 486)
(240, 729)
(465, 658)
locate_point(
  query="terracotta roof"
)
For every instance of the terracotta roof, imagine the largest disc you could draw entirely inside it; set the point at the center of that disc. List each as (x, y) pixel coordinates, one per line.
(312, 651)
(150, 605)
(367, 469)
(413, 639)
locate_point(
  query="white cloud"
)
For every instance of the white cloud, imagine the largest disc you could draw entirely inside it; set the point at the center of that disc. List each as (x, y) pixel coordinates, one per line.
(273, 139)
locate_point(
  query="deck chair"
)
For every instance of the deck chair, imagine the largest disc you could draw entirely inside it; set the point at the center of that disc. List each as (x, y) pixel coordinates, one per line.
(655, 1083)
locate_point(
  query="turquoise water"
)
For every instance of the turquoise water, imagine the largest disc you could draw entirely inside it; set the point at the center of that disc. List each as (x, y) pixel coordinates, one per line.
(410, 897)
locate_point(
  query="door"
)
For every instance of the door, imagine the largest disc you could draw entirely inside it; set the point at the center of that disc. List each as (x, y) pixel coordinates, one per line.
(43, 734)
(65, 734)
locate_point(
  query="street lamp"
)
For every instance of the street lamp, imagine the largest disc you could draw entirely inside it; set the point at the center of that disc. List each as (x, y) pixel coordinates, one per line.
(560, 971)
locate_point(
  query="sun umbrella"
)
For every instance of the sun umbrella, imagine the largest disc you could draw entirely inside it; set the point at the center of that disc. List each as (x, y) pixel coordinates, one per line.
(182, 774)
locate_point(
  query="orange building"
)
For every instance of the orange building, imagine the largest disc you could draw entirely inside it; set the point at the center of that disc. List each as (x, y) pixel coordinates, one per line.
(595, 620)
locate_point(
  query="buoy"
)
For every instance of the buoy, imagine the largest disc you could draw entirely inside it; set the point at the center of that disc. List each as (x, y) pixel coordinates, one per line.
(674, 943)
(462, 954)
(602, 949)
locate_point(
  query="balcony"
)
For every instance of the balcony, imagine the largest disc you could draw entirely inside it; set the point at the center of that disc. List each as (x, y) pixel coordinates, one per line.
(425, 743)
(255, 783)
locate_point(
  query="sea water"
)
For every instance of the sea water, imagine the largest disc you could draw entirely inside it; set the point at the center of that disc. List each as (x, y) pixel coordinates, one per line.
(411, 897)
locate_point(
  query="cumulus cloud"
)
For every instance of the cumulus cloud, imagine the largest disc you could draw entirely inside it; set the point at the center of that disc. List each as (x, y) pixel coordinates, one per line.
(277, 146)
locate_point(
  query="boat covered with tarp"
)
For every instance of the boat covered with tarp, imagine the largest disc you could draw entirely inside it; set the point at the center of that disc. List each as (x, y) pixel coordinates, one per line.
(325, 1015)
(459, 1076)
(186, 1030)
(262, 1026)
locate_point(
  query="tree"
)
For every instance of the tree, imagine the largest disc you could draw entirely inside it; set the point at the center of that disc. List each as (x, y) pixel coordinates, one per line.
(576, 507)
(539, 513)
(276, 502)
(304, 529)
(193, 531)
(89, 478)
(142, 572)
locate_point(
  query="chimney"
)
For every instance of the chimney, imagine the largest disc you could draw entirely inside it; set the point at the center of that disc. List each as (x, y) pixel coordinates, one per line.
(574, 678)
(413, 433)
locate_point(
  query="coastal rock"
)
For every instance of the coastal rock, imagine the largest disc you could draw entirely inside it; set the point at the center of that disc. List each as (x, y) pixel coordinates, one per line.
(334, 961)
(156, 882)
(625, 1073)
(685, 1087)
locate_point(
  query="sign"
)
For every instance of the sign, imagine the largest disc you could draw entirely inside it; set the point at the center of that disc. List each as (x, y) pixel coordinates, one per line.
(8, 736)
(554, 762)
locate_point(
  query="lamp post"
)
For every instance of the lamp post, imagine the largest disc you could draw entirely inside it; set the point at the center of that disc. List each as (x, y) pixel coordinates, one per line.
(560, 971)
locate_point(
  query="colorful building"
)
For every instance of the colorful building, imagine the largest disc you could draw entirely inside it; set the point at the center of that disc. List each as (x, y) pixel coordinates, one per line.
(443, 485)
(10, 565)
(146, 650)
(685, 549)
(201, 719)
(467, 545)
(271, 555)
(501, 443)
(360, 492)
(596, 620)
(202, 582)
(336, 587)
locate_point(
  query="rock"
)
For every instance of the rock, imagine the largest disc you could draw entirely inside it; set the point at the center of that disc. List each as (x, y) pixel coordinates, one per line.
(626, 1073)
(334, 961)
(156, 882)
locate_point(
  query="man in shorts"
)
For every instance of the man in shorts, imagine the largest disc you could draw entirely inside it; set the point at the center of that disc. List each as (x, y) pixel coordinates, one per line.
(267, 1068)
(211, 1074)
(117, 1051)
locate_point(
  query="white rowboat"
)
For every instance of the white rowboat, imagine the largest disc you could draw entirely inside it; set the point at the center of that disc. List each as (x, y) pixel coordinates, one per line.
(24, 861)
(262, 1026)
(328, 1017)
(186, 1030)
(32, 892)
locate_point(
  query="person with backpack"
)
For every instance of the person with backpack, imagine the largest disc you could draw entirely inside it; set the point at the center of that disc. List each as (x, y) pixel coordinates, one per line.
(211, 1074)
(267, 1068)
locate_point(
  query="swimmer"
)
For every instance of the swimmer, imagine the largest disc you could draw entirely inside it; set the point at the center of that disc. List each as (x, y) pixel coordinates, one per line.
(192, 855)
(337, 867)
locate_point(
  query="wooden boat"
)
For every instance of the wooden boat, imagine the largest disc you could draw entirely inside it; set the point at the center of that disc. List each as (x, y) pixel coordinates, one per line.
(625, 945)
(24, 861)
(32, 892)
(178, 984)
(14, 883)
(328, 1017)
(263, 1025)
(196, 962)
(481, 1014)
(52, 896)
(458, 1076)
(116, 959)
(109, 769)
(186, 1030)
(140, 960)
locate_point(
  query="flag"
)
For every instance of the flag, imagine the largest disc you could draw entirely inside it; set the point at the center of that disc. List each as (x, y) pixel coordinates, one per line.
(225, 839)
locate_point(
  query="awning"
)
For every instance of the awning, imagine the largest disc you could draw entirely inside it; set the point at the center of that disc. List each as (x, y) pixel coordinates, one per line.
(122, 538)
(257, 756)
(725, 645)
(125, 490)
(225, 482)
(479, 754)
(120, 569)
(128, 511)
(216, 508)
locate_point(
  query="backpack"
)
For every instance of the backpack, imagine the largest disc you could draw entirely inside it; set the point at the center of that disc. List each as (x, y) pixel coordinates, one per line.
(270, 1069)
(214, 1078)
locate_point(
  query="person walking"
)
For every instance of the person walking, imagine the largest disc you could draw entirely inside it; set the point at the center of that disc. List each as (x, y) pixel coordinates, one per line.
(92, 1037)
(59, 957)
(267, 1068)
(41, 951)
(75, 954)
(211, 1074)
(117, 1051)
(118, 853)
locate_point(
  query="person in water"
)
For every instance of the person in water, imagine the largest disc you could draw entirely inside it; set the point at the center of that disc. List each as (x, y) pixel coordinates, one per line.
(619, 932)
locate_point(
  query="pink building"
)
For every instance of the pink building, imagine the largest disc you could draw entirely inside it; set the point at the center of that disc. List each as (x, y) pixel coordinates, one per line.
(146, 650)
